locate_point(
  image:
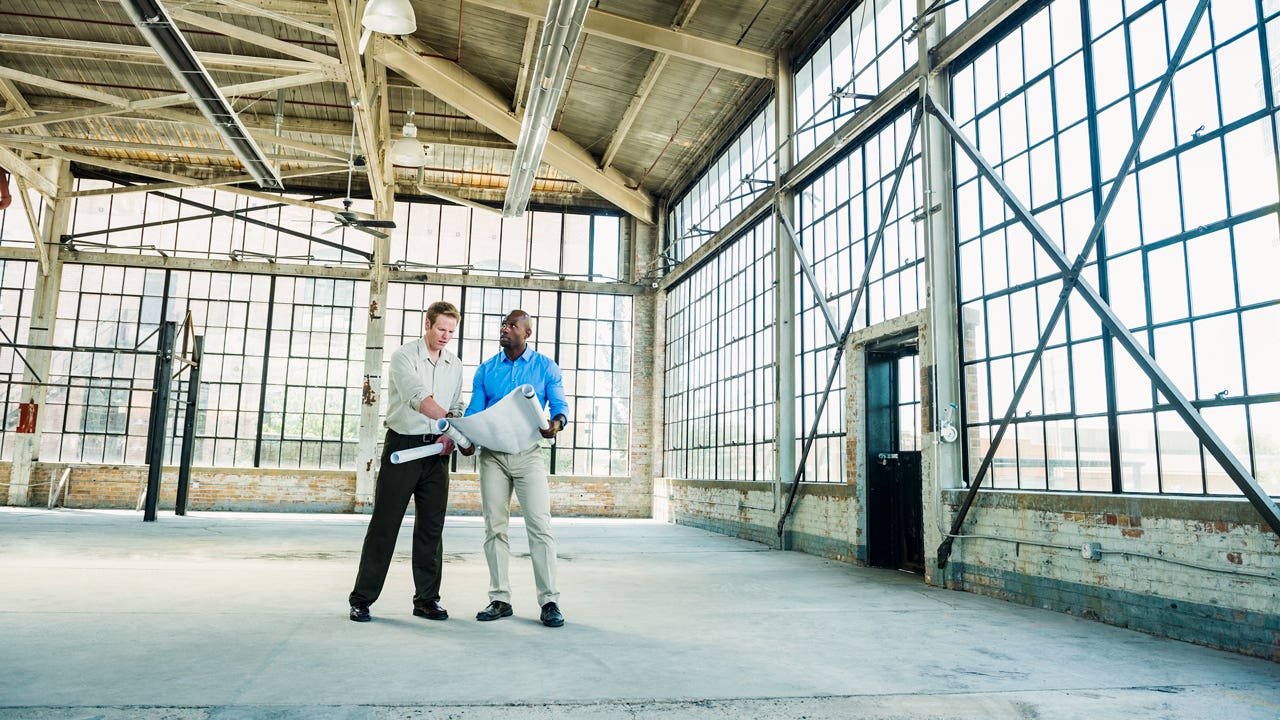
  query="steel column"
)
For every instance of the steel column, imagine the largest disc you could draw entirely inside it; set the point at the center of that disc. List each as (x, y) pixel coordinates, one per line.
(159, 416)
(189, 428)
(942, 349)
(44, 316)
(784, 296)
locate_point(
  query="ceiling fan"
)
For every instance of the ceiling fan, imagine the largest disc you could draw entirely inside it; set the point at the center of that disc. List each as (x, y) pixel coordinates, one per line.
(345, 218)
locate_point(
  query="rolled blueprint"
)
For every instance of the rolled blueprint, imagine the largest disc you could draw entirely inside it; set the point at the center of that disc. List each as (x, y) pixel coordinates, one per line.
(532, 397)
(415, 453)
(445, 427)
(509, 426)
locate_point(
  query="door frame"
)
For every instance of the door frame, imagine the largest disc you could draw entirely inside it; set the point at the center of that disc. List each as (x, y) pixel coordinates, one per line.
(907, 329)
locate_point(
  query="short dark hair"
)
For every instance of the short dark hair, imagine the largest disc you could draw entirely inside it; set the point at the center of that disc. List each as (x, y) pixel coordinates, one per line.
(436, 309)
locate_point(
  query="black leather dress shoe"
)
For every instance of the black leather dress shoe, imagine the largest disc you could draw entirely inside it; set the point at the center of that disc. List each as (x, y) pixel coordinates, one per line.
(431, 611)
(360, 613)
(551, 616)
(497, 609)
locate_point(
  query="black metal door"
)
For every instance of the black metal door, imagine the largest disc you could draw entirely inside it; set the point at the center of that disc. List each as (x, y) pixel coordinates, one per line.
(895, 528)
(881, 446)
(909, 512)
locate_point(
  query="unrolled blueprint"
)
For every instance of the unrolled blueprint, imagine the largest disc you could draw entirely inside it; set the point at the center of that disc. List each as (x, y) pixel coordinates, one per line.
(510, 425)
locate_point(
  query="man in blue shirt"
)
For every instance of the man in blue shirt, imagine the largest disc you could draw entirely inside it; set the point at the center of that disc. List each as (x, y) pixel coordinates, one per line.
(525, 472)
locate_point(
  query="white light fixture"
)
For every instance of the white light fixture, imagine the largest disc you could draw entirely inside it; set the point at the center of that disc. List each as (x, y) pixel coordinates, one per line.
(392, 17)
(407, 151)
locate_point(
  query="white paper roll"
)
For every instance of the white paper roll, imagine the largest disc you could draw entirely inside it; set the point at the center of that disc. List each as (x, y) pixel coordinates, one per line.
(532, 397)
(507, 426)
(444, 426)
(415, 453)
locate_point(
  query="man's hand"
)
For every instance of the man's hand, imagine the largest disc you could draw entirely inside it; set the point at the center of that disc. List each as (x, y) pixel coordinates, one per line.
(431, 408)
(448, 444)
(467, 451)
(554, 427)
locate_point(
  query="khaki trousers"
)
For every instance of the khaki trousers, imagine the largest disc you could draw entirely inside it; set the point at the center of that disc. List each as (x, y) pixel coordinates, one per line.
(526, 473)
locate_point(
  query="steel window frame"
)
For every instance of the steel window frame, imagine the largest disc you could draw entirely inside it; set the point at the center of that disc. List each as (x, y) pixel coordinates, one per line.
(1119, 332)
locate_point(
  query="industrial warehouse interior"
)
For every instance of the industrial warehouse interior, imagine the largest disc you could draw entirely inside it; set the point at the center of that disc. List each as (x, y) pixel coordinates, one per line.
(920, 355)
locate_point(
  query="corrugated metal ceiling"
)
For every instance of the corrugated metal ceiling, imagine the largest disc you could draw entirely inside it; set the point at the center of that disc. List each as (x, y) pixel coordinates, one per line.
(65, 58)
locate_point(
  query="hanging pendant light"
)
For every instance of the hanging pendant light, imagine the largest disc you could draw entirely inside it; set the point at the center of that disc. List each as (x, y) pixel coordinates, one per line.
(407, 151)
(391, 17)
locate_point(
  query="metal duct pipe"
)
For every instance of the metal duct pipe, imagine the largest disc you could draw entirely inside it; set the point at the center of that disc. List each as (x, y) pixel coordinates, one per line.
(560, 32)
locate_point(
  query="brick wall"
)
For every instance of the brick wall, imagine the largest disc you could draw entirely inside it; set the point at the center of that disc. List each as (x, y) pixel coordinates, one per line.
(272, 490)
(1196, 569)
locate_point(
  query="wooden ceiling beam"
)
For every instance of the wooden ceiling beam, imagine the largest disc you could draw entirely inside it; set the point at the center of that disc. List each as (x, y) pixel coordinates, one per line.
(652, 37)
(116, 105)
(528, 54)
(227, 180)
(145, 55)
(238, 33)
(454, 85)
(311, 11)
(183, 181)
(643, 90)
(280, 17)
(38, 141)
(114, 101)
(14, 100)
(293, 125)
(259, 134)
(365, 122)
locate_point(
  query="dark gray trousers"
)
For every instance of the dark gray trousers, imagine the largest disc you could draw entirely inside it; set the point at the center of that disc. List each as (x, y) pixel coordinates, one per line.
(426, 481)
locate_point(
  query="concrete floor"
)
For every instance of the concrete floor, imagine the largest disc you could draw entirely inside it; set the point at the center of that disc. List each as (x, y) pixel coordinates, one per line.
(232, 616)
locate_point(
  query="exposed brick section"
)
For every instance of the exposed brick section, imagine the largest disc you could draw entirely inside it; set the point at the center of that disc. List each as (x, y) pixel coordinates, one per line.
(1131, 586)
(644, 373)
(1244, 631)
(269, 490)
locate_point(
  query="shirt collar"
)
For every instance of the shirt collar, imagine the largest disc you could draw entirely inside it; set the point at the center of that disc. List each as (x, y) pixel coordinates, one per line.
(446, 357)
(525, 356)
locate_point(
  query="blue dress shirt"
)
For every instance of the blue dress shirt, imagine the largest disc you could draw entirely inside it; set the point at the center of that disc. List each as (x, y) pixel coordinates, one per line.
(498, 376)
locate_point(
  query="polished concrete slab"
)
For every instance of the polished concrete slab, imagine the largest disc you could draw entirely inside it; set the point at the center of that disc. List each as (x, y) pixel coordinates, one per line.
(231, 616)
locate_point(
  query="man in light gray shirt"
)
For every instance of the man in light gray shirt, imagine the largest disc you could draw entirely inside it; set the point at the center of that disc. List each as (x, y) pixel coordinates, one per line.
(425, 385)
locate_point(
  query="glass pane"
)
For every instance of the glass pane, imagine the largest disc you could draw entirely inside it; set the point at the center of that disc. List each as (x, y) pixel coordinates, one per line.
(1231, 426)
(1265, 426)
(1180, 470)
(1138, 466)
(1095, 454)
(1060, 455)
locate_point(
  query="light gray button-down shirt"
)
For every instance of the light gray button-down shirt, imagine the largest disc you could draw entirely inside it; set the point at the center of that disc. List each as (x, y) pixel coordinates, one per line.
(413, 377)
